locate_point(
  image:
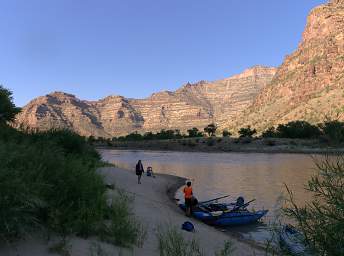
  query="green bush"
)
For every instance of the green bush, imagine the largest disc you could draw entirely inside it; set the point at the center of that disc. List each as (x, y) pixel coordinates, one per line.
(333, 130)
(7, 108)
(227, 250)
(123, 229)
(50, 184)
(172, 243)
(210, 129)
(322, 219)
(194, 132)
(298, 129)
(269, 133)
(226, 133)
(49, 180)
(247, 132)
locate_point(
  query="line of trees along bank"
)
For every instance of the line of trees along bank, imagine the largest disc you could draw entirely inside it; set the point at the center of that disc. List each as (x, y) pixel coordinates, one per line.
(328, 131)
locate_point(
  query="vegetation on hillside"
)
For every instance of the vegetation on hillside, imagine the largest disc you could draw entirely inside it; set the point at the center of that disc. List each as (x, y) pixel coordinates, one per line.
(247, 132)
(210, 129)
(48, 181)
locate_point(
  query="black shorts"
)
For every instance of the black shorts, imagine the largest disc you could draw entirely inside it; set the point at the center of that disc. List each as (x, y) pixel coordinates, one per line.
(188, 202)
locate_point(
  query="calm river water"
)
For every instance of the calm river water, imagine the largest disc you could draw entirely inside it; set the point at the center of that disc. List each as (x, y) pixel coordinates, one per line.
(252, 175)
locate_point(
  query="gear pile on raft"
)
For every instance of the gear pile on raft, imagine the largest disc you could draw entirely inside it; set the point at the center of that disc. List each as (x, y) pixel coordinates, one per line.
(222, 214)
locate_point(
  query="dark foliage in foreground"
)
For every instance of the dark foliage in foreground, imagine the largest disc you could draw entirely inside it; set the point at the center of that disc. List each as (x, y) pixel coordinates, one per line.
(7, 109)
(48, 180)
(322, 219)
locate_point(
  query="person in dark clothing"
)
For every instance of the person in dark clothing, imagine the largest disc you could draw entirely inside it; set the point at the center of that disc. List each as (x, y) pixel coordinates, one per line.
(139, 171)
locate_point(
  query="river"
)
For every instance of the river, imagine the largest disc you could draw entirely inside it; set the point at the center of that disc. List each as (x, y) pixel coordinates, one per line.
(257, 176)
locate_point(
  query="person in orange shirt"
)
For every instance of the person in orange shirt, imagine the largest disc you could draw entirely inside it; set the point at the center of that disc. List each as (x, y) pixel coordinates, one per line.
(188, 198)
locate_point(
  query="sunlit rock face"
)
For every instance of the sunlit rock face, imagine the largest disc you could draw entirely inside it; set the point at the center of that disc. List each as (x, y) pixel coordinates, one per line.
(309, 84)
(193, 105)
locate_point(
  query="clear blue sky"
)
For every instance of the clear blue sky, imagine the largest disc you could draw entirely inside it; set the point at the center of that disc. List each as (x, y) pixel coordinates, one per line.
(94, 48)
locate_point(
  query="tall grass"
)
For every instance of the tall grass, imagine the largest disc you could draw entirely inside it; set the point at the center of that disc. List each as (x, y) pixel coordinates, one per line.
(49, 180)
(172, 243)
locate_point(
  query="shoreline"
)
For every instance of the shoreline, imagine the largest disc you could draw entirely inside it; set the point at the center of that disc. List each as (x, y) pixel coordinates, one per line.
(155, 207)
(176, 182)
(180, 182)
(228, 145)
(248, 151)
(164, 188)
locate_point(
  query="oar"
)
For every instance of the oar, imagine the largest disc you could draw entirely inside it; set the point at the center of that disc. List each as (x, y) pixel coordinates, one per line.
(213, 199)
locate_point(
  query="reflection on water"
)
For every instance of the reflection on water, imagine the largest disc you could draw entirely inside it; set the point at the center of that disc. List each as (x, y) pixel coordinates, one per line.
(252, 175)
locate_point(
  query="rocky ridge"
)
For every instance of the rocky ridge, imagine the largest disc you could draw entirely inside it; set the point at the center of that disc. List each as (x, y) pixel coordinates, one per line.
(309, 84)
(193, 105)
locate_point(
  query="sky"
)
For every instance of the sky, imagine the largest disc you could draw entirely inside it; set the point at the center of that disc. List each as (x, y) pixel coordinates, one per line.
(96, 48)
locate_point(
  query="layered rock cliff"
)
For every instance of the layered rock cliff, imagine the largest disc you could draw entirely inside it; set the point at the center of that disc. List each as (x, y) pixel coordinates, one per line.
(309, 84)
(193, 105)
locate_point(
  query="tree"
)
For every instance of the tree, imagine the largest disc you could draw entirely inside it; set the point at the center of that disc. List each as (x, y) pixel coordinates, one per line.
(194, 132)
(269, 133)
(298, 129)
(322, 219)
(334, 130)
(211, 129)
(226, 133)
(7, 108)
(247, 131)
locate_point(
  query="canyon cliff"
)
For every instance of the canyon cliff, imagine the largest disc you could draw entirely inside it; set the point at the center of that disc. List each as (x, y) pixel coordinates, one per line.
(309, 85)
(193, 105)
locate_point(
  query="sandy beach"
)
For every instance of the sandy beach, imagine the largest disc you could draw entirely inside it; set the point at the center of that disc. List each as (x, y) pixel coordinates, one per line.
(153, 207)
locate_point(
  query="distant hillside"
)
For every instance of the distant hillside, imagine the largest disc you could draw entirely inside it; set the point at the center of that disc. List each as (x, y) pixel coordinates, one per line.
(193, 105)
(309, 85)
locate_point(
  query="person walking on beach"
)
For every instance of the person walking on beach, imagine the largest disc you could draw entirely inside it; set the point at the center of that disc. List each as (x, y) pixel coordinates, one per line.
(139, 171)
(188, 198)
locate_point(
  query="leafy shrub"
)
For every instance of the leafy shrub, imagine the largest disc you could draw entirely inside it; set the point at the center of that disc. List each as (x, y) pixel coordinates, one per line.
(7, 108)
(269, 133)
(226, 133)
(247, 132)
(322, 219)
(172, 243)
(49, 179)
(123, 229)
(194, 132)
(210, 129)
(333, 130)
(298, 129)
(227, 249)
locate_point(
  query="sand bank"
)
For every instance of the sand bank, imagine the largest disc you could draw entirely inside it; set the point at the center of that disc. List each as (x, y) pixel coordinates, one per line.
(153, 207)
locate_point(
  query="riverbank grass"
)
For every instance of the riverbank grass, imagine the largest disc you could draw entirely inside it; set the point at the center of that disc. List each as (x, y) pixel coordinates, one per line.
(49, 182)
